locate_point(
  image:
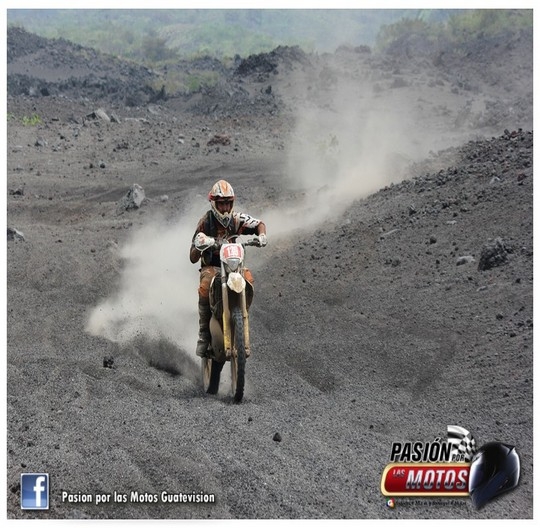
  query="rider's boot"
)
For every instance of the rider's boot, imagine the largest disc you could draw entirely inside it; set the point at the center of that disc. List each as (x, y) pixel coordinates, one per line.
(204, 330)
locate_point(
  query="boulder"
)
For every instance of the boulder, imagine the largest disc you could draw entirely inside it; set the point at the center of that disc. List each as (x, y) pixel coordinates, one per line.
(133, 199)
(494, 253)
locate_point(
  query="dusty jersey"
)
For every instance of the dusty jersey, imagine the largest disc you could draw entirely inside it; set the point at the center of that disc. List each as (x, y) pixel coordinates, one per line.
(241, 224)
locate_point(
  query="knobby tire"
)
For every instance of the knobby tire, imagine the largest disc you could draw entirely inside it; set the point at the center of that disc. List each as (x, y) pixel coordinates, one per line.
(238, 364)
(212, 375)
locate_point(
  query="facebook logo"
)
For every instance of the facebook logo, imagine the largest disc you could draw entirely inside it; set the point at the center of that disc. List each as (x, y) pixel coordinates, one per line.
(35, 491)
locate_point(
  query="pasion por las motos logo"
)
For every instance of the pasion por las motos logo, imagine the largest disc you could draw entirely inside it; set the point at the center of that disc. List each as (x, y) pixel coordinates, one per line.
(451, 467)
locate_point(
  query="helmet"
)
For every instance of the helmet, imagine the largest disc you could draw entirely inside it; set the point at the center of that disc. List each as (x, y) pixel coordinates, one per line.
(221, 190)
(494, 470)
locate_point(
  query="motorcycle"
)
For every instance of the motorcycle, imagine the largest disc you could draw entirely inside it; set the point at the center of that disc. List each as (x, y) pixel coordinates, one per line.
(230, 298)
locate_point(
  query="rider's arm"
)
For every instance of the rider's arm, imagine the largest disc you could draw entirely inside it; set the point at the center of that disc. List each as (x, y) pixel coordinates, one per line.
(194, 253)
(250, 225)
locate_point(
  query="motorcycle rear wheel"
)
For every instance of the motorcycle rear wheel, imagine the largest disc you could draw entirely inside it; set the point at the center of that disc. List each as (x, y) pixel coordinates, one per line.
(211, 372)
(238, 358)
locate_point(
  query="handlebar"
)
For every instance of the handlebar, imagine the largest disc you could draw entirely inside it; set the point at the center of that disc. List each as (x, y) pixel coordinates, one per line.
(205, 243)
(234, 239)
(252, 242)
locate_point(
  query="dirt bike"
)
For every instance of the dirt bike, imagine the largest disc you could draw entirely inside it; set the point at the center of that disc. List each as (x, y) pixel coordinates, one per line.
(230, 298)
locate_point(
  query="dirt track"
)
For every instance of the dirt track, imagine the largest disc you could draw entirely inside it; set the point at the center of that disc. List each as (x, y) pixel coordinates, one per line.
(365, 329)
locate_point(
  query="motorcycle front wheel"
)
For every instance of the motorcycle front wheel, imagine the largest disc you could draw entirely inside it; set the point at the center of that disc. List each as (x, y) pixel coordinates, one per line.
(238, 358)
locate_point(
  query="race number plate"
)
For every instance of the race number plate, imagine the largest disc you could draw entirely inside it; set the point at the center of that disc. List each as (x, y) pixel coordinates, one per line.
(235, 251)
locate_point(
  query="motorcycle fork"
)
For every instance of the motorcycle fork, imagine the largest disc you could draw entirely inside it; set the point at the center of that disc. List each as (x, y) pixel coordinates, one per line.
(243, 304)
(226, 314)
(227, 330)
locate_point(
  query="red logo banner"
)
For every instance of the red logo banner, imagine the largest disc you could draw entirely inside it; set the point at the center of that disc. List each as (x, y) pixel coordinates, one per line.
(433, 479)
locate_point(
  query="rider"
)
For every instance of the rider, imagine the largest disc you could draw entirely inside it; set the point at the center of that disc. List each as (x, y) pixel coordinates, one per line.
(220, 222)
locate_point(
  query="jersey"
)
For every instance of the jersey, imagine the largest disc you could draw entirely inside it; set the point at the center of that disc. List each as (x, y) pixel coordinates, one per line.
(241, 224)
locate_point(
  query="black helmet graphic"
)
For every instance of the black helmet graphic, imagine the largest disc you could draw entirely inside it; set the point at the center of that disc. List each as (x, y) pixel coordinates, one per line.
(494, 470)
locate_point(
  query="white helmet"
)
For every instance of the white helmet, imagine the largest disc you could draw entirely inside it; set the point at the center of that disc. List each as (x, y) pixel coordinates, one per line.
(221, 190)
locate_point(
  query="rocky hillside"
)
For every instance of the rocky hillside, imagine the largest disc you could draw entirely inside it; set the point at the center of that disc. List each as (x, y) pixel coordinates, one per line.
(395, 296)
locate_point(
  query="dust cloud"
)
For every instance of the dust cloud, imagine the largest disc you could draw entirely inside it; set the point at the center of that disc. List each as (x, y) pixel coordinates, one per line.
(157, 297)
(347, 145)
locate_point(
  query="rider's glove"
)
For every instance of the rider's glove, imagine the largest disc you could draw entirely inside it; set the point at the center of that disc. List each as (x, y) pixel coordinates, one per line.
(262, 240)
(203, 242)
